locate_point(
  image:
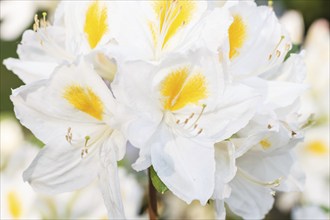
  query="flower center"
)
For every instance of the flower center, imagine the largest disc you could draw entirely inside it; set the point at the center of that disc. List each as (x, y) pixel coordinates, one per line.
(85, 100)
(95, 23)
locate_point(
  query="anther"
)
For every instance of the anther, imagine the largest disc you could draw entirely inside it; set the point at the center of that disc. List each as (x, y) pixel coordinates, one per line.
(195, 126)
(269, 126)
(186, 121)
(270, 56)
(278, 53)
(200, 131)
(178, 121)
(68, 136)
(84, 151)
(293, 133)
(192, 115)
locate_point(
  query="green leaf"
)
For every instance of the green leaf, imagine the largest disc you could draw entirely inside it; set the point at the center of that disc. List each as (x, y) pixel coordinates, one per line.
(295, 49)
(157, 182)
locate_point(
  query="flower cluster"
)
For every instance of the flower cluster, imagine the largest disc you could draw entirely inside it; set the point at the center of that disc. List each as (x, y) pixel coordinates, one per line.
(207, 92)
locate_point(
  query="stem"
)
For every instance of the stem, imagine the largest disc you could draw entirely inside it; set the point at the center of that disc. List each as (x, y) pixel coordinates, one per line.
(152, 206)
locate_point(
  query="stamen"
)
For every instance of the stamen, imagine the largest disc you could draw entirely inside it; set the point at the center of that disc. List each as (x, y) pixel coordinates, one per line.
(36, 23)
(270, 3)
(276, 51)
(68, 136)
(44, 21)
(84, 151)
(200, 114)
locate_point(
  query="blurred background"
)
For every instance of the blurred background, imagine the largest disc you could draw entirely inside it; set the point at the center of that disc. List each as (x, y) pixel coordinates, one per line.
(308, 24)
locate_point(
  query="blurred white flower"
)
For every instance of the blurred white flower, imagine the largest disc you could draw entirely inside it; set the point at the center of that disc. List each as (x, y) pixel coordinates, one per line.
(309, 212)
(11, 137)
(314, 157)
(294, 23)
(317, 60)
(16, 16)
(17, 198)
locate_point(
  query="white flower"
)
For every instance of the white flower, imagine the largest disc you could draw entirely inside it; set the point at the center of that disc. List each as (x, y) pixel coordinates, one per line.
(153, 29)
(264, 163)
(73, 114)
(80, 28)
(256, 40)
(18, 201)
(309, 212)
(11, 138)
(172, 108)
(314, 157)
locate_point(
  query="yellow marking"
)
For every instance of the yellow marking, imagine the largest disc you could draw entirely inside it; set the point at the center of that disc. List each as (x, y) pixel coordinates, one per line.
(317, 147)
(237, 36)
(14, 205)
(180, 90)
(172, 15)
(85, 100)
(265, 144)
(95, 23)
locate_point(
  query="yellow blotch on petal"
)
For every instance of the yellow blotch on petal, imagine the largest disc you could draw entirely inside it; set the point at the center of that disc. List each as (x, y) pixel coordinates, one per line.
(180, 90)
(173, 15)
(265, 144)
(317, 147)
(96, 23)
(237, 36)
(14, 205)
(85, 100)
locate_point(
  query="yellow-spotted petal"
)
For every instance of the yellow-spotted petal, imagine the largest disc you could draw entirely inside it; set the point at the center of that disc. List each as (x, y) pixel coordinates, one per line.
(96, 23)
(237, 36)
(85, 100)
(172, 15)
(180, 90)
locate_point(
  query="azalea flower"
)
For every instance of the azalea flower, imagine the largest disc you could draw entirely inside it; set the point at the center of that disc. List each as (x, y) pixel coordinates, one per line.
(170, 110)
(254, 29)
(79, 29)
(164, 27)
(72, 113)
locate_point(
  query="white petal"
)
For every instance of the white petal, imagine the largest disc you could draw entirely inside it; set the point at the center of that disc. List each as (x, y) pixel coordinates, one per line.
(60, 168)
(109, 182)
(225, 169)
(249, 200)
(232, 113)
(41, 106)
(30, 71)
(220, 209)
(262, 41)
(185, 165)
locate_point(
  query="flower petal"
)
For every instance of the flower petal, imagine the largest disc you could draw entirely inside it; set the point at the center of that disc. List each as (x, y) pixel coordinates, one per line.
(185, 165)
(109, 182)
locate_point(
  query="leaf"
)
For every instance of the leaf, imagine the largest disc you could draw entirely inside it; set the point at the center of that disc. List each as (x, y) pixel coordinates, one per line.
(295, 49)
(157, 182)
